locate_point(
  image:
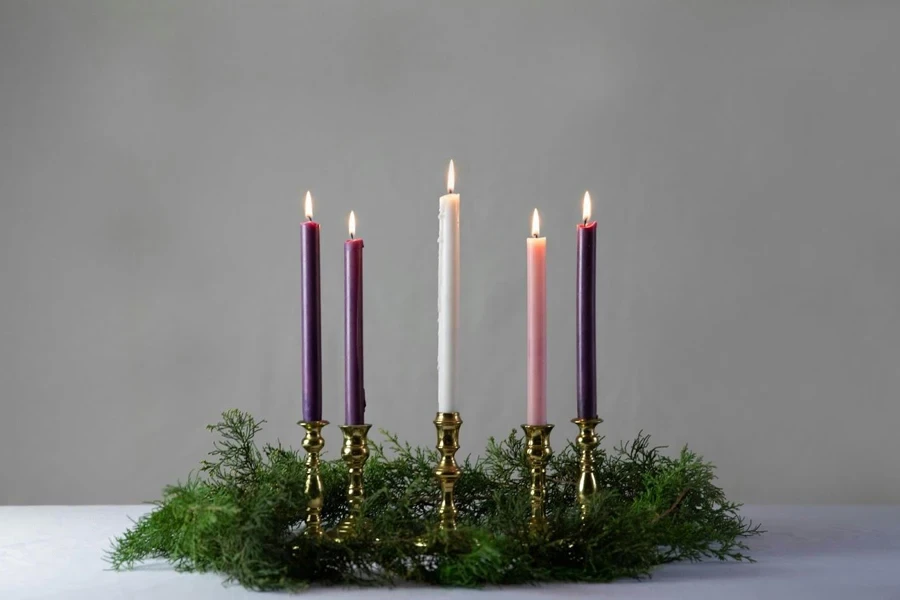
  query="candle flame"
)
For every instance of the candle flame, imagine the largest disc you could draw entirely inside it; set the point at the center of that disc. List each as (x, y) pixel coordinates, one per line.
(308, 206)
(451, 178)
(586, 208)
(535, 224)
(351, 224)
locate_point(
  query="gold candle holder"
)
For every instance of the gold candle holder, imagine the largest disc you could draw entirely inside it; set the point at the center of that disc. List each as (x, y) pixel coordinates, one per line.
(447, 425)
(313, 442)
(538, 452)
(354, 452)
(586, 441)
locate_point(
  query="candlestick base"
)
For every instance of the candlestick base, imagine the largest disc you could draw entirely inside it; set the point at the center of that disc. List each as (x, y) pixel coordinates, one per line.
(447, 426)
(586, 441)
(538, 452)
(354, 452)
(313, 443)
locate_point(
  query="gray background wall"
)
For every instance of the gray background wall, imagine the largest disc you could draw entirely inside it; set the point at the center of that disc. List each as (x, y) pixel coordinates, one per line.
(743, 157)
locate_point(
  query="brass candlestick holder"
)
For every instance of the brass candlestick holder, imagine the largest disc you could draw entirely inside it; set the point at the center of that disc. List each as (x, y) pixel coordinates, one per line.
(313, 442)
(586, 441)
(447, 425)
(538, 452)
(354, 452)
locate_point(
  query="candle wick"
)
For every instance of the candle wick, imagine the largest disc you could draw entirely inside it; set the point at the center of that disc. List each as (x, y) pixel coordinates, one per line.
(352, 236)
(585, 221)
(534, 235)
(309, 219)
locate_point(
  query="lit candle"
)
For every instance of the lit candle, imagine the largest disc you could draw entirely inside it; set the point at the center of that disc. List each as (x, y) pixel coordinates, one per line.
(448, 295)
(311, 316)
(536, 251)
(585, 300)
(354, 391)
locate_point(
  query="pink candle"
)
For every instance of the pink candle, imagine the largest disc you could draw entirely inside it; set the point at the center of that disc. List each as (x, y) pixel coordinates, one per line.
(536, 249)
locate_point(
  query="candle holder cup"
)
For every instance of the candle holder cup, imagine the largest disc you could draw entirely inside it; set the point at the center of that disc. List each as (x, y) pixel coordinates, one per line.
(447, 426)
(313, 443)
(586, 441)
(355, 453)
(538, 453)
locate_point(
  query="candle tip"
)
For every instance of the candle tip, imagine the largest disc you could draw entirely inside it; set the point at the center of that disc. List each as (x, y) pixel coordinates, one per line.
(451, 178)
(308, 206)
(535, 224)
(586, 208)
(351, 224)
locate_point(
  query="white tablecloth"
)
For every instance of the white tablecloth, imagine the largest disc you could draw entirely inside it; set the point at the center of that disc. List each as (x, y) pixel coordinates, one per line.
(839, 552)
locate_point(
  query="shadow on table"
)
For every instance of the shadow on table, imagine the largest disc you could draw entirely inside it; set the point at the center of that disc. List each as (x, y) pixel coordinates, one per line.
(154, 565)
(715, 571)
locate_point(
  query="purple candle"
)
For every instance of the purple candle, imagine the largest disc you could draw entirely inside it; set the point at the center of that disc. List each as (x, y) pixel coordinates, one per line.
(354, 392)
(311, 317)
(585, 301)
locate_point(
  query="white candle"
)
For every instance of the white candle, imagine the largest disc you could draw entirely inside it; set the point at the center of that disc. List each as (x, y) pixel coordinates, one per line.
(448, 295)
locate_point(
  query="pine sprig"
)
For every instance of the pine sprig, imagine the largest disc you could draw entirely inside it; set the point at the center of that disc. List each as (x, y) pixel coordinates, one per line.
(242, 515)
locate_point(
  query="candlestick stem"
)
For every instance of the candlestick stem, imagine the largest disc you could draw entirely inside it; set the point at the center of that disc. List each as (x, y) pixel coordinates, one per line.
(447, 425)
(586, 441)
(313, 443)
(355, 453)
(538, 452)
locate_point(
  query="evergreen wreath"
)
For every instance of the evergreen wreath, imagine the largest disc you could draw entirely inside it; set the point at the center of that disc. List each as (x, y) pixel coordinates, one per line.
(242, 516)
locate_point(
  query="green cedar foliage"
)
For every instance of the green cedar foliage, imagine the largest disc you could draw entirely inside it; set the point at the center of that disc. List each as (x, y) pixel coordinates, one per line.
(242, 517)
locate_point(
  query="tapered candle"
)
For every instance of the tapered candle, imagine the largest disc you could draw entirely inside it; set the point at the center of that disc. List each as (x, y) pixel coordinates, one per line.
(448, 295)
(311, 316)
(354, 390)
(536, 259)
(585, 299)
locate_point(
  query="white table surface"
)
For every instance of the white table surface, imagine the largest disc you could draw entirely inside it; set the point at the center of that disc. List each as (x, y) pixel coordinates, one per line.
(823, 552)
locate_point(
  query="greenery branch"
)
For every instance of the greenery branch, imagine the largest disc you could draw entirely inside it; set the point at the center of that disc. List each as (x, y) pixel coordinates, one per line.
(242, 516)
